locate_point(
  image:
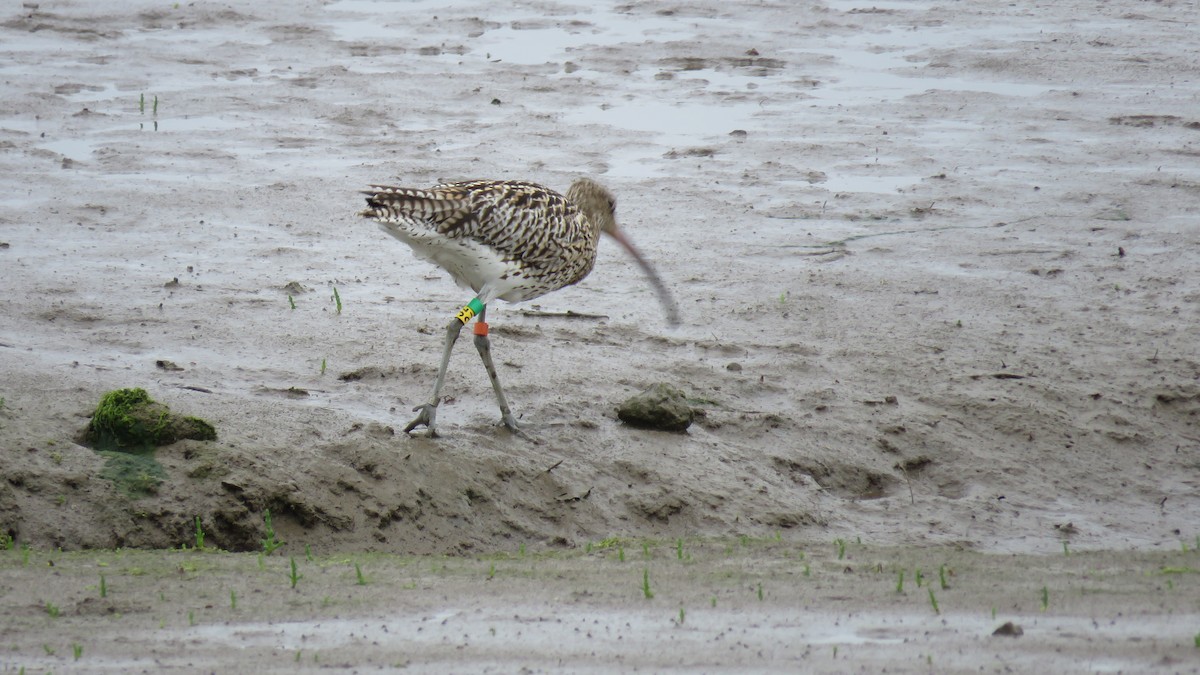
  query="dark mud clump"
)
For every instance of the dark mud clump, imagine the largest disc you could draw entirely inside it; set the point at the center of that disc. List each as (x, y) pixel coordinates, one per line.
(660, 407)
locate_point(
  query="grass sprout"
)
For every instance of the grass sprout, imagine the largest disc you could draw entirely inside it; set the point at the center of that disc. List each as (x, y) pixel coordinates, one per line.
(646, 584)
(294, 576)
(199, 535)
(271, 542)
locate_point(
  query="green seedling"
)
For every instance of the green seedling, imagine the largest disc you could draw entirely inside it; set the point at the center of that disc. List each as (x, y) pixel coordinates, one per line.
(52, 610)
(760, 593)
(1067, 551)
(681, 615)
(1196, 640)
(262, 561)
(232, 599)
(362, 581)
(646, 584)
(199, 535)
(521, 550)
(308, 553)
(714, 601)
(919, 578)
(841, 548)
(48, 649)
(1045, 598)
(620, 553)
(142, 103)
(933, 601)
(942, 577)
(900, 582)
(6, 540)
(76, 650)
(155, 110)
(807, 570)
(679, 548)
(337, 300)
(491, 572)
(271, 542)
(322, 366)
(294, 576)
(292, 301)
(103, 587)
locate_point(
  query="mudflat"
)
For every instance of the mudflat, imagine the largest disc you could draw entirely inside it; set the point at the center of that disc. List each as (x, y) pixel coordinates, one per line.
(936, 265)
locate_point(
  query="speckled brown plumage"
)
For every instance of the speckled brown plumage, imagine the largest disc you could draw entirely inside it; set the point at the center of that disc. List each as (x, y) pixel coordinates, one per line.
(511, 240)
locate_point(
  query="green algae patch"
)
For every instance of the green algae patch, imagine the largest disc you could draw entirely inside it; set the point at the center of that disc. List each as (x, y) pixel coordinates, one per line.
(129, 421)
(126, 428)
(136, 475)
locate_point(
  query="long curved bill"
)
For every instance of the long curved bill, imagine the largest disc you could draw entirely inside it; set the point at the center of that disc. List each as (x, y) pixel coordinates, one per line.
(664, 295)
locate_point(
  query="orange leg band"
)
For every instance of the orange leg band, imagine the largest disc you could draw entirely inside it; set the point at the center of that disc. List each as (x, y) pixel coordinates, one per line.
(481, 328)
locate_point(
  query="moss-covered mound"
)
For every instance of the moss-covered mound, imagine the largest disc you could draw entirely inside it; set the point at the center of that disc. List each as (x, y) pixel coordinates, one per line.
(128, 420)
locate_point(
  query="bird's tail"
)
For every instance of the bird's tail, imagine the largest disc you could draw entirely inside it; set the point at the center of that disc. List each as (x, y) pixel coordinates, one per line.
(386, 202)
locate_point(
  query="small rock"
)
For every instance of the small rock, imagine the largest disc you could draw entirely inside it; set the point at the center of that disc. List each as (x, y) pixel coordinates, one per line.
(660, 407)
(734, 367)
(1010, 629)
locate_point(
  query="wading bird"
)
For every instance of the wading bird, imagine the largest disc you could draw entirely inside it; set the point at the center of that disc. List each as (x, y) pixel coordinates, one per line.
(507, 240)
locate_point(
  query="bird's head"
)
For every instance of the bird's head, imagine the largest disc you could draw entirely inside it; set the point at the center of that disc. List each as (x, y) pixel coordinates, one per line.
(596, 203)
(600, 208)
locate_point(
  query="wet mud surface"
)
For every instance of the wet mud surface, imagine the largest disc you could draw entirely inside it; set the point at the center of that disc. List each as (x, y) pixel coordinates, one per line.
(936, 266)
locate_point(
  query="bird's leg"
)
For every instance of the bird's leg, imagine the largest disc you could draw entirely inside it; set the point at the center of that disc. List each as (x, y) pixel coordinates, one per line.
(427, 412)
(484, 345)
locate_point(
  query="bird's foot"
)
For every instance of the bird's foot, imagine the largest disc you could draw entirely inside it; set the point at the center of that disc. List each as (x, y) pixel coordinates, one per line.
(426, 413)
(511, 422)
